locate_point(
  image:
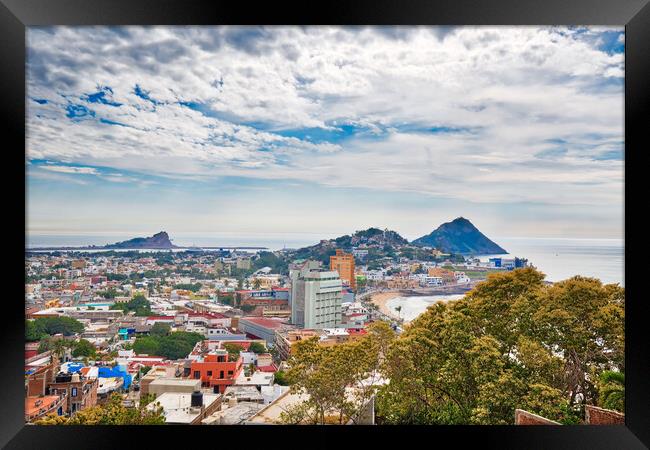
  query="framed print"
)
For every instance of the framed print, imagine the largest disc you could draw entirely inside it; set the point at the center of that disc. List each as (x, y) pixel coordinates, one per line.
(389, 219)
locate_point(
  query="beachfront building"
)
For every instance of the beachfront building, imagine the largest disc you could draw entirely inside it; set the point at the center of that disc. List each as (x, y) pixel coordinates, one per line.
(343, 263)
(315, 296)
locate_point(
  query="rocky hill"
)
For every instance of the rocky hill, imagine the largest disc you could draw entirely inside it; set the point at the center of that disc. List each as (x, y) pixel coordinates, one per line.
(158, 240)
(459, 236)
(381, 242)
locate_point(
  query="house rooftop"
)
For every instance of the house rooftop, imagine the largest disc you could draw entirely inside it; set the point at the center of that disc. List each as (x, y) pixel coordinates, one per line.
(177, 406)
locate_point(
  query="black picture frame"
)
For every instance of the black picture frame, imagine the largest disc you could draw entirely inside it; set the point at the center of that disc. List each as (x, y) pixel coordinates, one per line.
(16, 15)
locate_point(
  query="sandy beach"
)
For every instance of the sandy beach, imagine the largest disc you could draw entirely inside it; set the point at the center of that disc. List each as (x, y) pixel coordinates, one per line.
(380, 299)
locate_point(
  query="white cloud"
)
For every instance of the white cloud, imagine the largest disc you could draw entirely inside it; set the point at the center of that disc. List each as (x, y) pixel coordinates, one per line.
(70, 169)
(500, 97)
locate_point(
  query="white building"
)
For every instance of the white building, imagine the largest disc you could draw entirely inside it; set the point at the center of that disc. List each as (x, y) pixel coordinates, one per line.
(316, 296)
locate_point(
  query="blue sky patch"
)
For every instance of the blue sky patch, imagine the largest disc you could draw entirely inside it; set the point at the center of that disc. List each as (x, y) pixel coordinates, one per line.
(552, 153)
(144, 95)
(76, 112)
(333, 135)
(100, 97)
(112, 122)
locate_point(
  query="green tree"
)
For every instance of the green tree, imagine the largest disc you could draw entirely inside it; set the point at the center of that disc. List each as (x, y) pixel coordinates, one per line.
(257, 347)
(112, 413)
(281, 378)
(160, 329)
(147, 345)
(110, 293)
(512, 342)
(175, 345)
(612, 390)
(339, 380)
(233, 350)
(33, 331)
(57, 325)
(84, 348)
(188, 287)
(55, 345)
(247, 308)
(139, 304)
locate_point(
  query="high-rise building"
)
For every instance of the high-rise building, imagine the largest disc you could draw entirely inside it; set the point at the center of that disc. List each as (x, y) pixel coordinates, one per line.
(343, 263)
(315, 296)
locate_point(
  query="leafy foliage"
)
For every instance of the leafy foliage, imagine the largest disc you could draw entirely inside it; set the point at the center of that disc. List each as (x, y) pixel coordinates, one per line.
(84, 348)
(138, 303)
(175, 345)
(269, 259)
(111, 413)
(338, 380)
(109, 293)
(257, 347)
(612, 390)
(512, 342)
(37, 329)
(194, 287)
(160, 329)
(233, 351)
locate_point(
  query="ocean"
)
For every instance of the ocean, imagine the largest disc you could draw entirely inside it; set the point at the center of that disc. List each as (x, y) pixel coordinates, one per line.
(414, 306)
(273, 241)
(559, 259)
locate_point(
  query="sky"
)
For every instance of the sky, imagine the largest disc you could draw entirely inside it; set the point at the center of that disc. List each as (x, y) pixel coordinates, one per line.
(328, 130)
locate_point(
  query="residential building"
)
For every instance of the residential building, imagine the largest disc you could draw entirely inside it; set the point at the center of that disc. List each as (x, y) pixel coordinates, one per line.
(37, 406)
(187, 409)
(315, 296)
(243, 263)
(215, 370)
(161, 386)
(261, 327)
(80, 391)
(343, 263)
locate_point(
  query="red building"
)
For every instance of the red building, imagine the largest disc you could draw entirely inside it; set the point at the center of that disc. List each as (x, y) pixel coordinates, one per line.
(216, 370)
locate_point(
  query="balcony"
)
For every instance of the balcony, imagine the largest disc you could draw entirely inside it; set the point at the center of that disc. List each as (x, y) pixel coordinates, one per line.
(42, 407)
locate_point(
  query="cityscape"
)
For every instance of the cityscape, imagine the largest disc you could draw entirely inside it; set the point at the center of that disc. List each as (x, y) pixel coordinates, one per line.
(324, 226)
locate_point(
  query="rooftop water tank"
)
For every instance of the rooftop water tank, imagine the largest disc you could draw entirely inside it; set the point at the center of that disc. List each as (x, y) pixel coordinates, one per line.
(197, 399)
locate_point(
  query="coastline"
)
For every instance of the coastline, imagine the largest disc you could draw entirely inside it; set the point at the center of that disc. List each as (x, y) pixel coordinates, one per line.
(381, 299)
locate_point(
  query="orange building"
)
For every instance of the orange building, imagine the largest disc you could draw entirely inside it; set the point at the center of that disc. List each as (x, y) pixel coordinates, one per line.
(446, 275)
(343, 263)
(215, 369)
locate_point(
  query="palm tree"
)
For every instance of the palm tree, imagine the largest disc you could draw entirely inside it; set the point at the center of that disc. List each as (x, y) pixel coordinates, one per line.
(612, 390)
(399, 311)
(57, 347)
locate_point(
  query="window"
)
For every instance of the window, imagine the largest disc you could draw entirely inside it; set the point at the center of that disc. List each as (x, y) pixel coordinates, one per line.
(74, 392)
(230, 373)
(197, 374)
(221, 374)
(209, 373)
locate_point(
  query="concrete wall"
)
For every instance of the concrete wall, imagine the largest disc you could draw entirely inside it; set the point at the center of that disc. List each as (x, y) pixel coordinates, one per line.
(161, 385)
